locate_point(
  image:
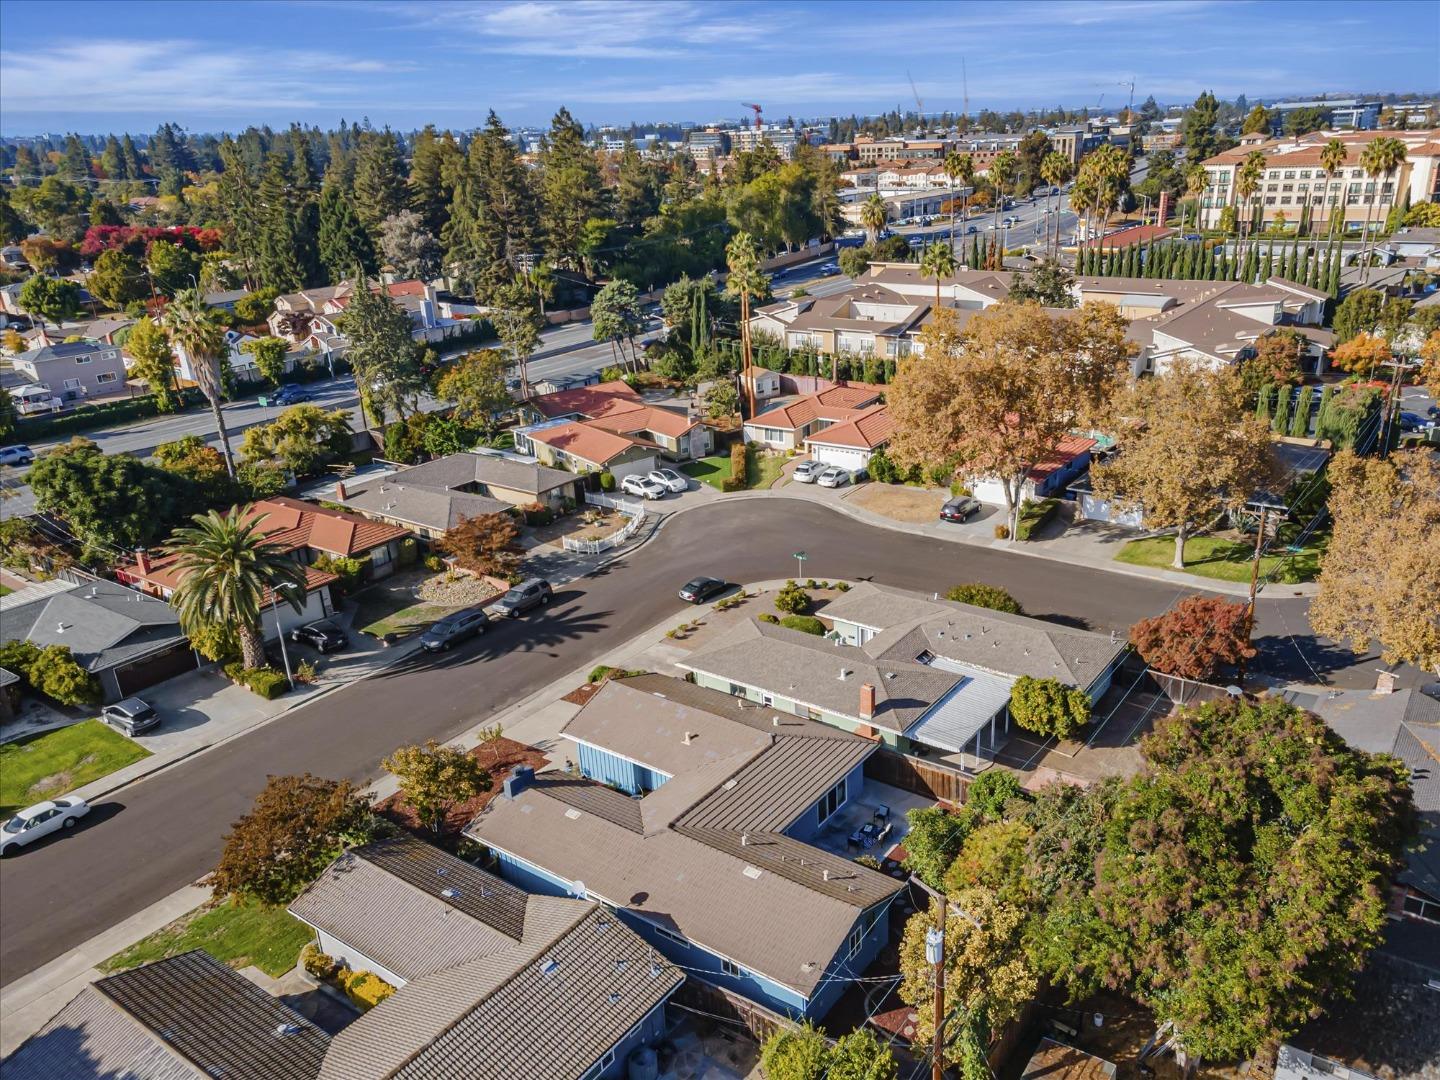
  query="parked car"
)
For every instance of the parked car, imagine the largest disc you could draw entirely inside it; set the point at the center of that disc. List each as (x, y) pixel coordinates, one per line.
(131, 716)
(698, 590)
(290, 394)
(808, 470)
(16, 455)
(522, 598)
(833, 477)
(42, 819)
(454, 628)
(970, 230)
(323, 636)
(636, 484)
(669, 479)
(1412, 421)
(830, 268)
(959, 508)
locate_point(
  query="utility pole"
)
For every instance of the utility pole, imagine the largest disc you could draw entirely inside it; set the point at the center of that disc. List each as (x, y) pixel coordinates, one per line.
(1254, 584)
(935, 954)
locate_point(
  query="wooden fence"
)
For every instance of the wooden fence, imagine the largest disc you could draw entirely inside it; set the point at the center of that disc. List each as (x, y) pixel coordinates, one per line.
(909, 773)
(704, 997)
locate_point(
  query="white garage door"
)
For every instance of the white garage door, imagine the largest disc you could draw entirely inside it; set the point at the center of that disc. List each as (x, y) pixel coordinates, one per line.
(844, 456)
(642, 465)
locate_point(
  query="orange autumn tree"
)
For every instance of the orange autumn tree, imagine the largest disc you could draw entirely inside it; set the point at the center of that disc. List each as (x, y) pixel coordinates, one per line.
(484, 544)
(1363, 352)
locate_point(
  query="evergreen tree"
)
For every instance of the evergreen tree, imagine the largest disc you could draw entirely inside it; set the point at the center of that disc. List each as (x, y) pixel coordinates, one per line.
(1322, 414)
(506, 229)
(342, 241)
(1282, 412)
(1315, 277)
(379, 180)
(1333, 286)
(1208, 274)
(287, 258)
(637, 190)
(1262, 402)
(975, 263)
(434, 163)
(573, 192)
(131, 156)
(1267, 268)
(238, 196)
(1300, 422)
(112, 160)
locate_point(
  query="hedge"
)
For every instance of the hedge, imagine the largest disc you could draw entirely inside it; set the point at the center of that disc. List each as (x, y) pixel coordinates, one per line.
(265, 681)
(806, 624)
(739, 468)
(1033, 515)
(104, 414)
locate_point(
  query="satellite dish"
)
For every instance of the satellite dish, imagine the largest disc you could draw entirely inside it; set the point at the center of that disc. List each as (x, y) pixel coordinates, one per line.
(1234, 691)
(579, 890)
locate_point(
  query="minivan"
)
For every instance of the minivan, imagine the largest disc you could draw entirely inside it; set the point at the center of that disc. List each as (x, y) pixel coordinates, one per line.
(454, 628)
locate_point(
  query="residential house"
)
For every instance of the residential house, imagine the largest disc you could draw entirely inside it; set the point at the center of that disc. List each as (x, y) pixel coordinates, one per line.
(188, 1016)
(850, 443)
(432, 498)
(75, 371)
(493, 982)
(310, 319)
(787, 426)
(1294, 182)
(306, 531)
(224, 299)
(766, 382)
(1047, 478)
(242, 363)
(125, 638)
(690, 815)
(1416, 243)
(608, 426)
(909, 670)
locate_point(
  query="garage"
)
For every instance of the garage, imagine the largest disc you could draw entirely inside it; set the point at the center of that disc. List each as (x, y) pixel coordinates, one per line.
(622, 469)
(846, 457)
(139, 674)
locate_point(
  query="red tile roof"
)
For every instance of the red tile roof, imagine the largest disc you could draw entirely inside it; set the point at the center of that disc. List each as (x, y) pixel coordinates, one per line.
(866, 430)
(625, 421)
(1066, 451)
(586, 400)
(836, 404)
(293, 524)
(163, 577)
(1137, 234)
(586, 442)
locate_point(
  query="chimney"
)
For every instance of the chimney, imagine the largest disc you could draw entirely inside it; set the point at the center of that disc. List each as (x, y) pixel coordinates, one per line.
(1385, 682)
(142, 560)
(867, 701)
(1162, 209)
(339, 490)
(518, 781)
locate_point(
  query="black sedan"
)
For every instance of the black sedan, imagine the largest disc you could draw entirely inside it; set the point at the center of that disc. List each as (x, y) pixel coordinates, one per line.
(698, 590)
(959, 508)
(323, 636)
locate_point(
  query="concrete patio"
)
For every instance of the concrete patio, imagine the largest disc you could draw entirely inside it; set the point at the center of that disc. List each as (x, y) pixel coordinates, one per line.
(839, 834)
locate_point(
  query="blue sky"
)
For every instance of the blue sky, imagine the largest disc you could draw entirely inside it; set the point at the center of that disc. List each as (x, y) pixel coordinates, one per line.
(222, 64)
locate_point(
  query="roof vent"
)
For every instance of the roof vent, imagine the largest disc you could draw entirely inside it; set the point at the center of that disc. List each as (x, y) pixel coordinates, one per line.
(281, 1030)
(774, 721)
(573, 814)
(614, 997)
(654, 969)
(449, 893)
(689, 735)
(549, 967)
(744, 839)
(844, 674)
(752, 872)
(967, 637)
(621, 964)
(824, 875)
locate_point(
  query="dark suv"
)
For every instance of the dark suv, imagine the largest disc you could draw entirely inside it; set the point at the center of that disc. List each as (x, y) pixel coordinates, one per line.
(454, 628)
(522, 598)
(322, 636)
(131, 716)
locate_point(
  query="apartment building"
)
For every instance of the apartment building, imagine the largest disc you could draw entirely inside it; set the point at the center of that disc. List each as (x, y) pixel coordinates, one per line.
(707, 145)
(1344, 113)
(783, 139)
(1294, 181)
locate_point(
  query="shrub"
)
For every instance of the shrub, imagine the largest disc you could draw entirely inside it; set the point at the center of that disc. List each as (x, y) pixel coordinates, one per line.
(990, 792)
(766, 617)
(365, 988)
(940, 475)
(867, 860)
(536, 514)
(1049, 707)
(986, 596)
(792, 599)
(739, 465)
(601, 672)
(265, 681)
(1033, 515)
(806, 624)
(842, 586)
(348, 570)
(305, 672)
(882, 469)
(88, 417)
(51, 671)
(316, 963)
(733, 483)
(409, 551)
(434, 563)
(607, 481)
(1002, 532)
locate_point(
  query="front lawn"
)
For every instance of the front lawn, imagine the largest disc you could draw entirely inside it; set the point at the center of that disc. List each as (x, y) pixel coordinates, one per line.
(235, 934)
(1226, 560)
(762, 469)
(709, 470)
(47, 766)
(400, 621)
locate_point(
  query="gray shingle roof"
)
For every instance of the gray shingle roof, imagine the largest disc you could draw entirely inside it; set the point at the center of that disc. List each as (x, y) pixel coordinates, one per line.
(493, 1006)
(187, 1016)
(430, 494)
(103, 623)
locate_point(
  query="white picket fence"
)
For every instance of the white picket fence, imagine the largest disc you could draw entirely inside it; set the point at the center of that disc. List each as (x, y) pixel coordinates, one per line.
(633, 511)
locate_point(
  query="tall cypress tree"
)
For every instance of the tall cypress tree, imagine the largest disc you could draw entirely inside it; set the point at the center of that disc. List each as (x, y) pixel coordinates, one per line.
(1267, 268)
(1262, 402)
(1300, 422)
(1208, 273)
(1281, 422)
(572, 192)
(283, 247)
(1333, 288)
(379, 180)
(342, 240)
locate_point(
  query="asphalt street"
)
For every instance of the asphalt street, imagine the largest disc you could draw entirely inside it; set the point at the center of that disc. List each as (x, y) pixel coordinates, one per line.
(150, 839)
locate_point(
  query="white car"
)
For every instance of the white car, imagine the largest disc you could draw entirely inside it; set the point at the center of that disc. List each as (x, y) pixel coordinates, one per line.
(808, 470)
(39, 820)
(635, 484)
(833, 477)
(16, 455)
(669, 479)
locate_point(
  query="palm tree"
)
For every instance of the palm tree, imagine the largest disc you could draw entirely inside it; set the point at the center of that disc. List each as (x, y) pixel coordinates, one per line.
(1083, 202)
(954, 169)
(937, 262)
(746, 280)
(966, 166)
(1196, 181)
(1381, 159)
(1002, 173)
(1332, 159)
(873, 216)
(1055, 169)
(1247, 184)
(228, 572)
(194, 327)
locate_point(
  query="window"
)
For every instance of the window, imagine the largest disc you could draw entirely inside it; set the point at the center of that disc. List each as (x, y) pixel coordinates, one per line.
(1289, 174)
(105, 376)
(380, 556)
(1304, 174)
(735, 971)
(84, 360)
(857, 938)
(767, 699)
(71, 384)
(1422, 907)
(736, 690)
(673, 936)
(831, 800)
(1269, 200)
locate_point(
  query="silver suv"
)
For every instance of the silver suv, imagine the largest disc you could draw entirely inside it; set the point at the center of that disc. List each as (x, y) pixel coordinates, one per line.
(522, 598)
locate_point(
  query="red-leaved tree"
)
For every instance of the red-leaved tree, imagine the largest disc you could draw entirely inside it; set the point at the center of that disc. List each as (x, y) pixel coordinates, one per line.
(1195, 638)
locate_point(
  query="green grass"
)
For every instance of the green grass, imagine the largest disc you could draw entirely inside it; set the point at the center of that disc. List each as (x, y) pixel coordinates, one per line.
(5, 590)
(236, 934)
(709, 470)
(1225, 560)
(762, 469)
(47, 766)
(379, 619)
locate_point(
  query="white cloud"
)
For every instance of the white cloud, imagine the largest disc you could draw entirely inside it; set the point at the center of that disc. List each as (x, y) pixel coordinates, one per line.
(179, 76)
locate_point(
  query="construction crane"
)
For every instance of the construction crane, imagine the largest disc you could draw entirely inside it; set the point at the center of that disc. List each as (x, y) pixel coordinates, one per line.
(1130, 102)
(919, 105)
(965, 85)
(748, 105)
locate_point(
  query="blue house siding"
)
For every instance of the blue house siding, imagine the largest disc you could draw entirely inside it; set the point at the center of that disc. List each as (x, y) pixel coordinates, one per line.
(808, 823)
(608, 768)
(1057, 481)
(697, 960)
(612, 1063)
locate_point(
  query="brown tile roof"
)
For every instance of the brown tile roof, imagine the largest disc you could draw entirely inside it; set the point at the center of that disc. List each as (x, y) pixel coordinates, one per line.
(1138, 234)
(585, 400)
(629, 420)
(836, 404)
(1066, 451)
(164, 574)
(588, 443)
(866, 430)
(293, 524)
